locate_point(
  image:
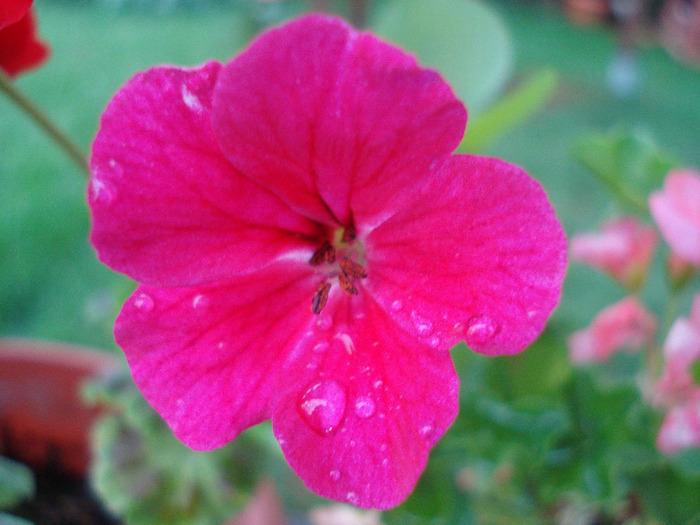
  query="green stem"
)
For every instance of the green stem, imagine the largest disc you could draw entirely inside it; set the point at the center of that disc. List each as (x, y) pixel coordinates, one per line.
(44, 122)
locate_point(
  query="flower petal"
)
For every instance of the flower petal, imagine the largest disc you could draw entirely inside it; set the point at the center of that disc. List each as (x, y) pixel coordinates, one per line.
(362, 404)
(208, 358)
(20, 47)
(476, 255)
(332, 120)
(168, 209)
(12, 10)
(676, 211)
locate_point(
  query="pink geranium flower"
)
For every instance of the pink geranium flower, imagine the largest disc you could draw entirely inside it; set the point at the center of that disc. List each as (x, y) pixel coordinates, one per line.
(20, 48)
(676, 210)
(623, 325)
(681, 426)
(308, 251)
(681, 349)
(623, 248)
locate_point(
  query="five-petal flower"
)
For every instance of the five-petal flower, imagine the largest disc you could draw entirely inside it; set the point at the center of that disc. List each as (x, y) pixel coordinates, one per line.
(308, 251)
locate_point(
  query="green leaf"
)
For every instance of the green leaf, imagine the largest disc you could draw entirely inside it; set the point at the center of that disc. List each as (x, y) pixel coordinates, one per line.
(8, 519)
(509, 112)
(463, 39)
(629, 163)
(16, 482)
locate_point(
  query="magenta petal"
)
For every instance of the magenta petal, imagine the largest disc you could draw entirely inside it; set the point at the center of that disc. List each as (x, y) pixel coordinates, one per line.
(478, 255)
(333, 120)
(362, 404)
(208, 358)
(168, 208)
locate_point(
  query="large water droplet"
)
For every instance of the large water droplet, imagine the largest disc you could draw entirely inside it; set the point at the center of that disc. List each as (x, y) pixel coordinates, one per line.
(323, 405)
(334, 475)
(200, 303)
(144, 302)
(396, 305)
(423, 326)
(351, 498)
(364, 407)
(480, 330)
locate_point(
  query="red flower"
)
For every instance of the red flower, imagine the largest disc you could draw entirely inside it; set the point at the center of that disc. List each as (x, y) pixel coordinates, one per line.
(309, 251)
(20, 49)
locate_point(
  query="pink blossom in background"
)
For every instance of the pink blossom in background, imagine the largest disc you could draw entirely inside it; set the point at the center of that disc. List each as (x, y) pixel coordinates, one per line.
(627, 324)
(681, 349)
(676, 211)
(681, 426)
(623, 248)
(309, 250)
(20, 47)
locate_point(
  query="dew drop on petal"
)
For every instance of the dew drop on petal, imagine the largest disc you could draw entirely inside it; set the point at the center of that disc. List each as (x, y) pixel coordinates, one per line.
(397, 305)
(200, 303)
(102, 191)
(322, 406)
(480, 330)
(423, 326)
(324, 323)
(351, 498)
(144, 302)
(377, 383)
(385, 462)
(429, 433)
(321, 347)
(364, 407)
(334, 475)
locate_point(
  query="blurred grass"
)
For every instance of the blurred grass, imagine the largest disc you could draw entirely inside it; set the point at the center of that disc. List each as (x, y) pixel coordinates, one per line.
(51, 285)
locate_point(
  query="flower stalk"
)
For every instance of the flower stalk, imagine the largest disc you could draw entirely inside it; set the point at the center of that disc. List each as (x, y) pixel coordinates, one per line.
(44, 122)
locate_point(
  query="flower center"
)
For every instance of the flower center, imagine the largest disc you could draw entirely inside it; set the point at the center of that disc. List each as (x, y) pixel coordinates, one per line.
(337, 261)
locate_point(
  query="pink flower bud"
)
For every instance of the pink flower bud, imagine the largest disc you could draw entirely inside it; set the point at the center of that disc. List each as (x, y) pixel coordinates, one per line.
(625, 324)
(681, 426)
(623, 248)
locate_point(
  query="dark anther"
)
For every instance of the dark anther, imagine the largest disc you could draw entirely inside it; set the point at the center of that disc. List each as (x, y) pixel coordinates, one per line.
(318, 301)
(326, 253)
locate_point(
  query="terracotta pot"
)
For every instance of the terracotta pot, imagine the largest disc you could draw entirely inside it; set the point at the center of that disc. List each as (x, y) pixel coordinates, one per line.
(587, 12)
(43, 420)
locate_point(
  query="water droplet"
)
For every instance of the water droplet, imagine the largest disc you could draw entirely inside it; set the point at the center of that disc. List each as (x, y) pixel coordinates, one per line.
(423, 326)
(102, 192)
(324, 323)
(351, 498)
(385, 462)
(434, 342)
(428, 433)
(200, 303)
(383, 447)
(323, 405)
(321, 347)
(144, 302)
(221, 345)
(347, 342)
(334, 475)
(480, 330)
(378, 383)
(364, 407)
(396, 305)
(191, 100)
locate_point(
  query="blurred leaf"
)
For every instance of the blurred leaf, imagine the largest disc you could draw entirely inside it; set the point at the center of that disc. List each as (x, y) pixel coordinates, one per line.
(463, 39)
(508, 112)
(16, 483)
(8, 519)
(688, 461)
(629, 163)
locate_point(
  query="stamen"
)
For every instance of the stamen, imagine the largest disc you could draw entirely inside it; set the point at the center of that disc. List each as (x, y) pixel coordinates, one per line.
(352, 269)
(318, 301)
(346, 284)
(326, 253)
